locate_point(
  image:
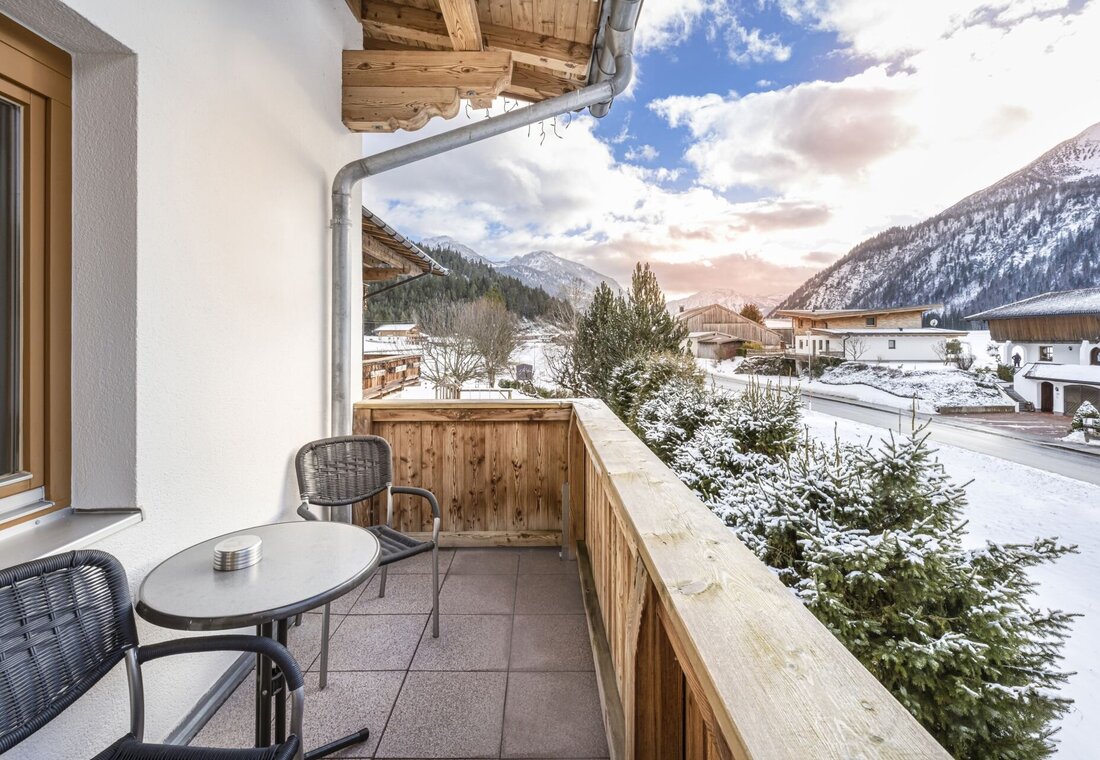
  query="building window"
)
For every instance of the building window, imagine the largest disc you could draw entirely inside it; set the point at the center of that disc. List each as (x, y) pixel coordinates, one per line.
(870, 321)
(1046, 353)
(893, 343)
(35, 273)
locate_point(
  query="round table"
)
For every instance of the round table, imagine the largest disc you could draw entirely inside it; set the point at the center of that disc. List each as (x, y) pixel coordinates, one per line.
(304, 565)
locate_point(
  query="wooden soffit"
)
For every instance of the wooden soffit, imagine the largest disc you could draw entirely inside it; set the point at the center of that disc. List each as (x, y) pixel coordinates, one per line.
(421, 58)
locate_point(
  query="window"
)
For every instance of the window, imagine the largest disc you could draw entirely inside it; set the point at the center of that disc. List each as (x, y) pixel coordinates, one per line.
(870, 321)
(10, 296)
(35, 274)
(892, 344)
(1046, 353)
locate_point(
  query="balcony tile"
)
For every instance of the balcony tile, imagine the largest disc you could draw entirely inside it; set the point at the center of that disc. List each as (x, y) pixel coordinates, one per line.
(550, 642)
(405, 594)
(466, 642)
(446, 715)
(374, 642)
(349, 702)
(422, 564)
(548, 595)
(545, 562)
(478, 594)
(485, 562)
(553, 715)
(233, 726)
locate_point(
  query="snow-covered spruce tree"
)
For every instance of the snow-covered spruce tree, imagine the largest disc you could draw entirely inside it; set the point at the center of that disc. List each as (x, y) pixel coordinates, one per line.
(870, 539)
(639, 378)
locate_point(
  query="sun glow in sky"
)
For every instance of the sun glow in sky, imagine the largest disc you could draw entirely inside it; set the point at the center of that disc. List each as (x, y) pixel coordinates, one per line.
(762, 139)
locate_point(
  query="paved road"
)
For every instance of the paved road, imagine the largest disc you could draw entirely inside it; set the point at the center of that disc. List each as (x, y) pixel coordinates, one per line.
(1072, 464)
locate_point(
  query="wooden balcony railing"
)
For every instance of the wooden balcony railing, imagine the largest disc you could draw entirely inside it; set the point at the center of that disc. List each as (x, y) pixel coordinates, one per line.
(701, 652)
(386, 373)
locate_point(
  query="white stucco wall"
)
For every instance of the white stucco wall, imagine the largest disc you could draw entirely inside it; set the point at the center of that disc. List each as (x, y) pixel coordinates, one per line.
(908, 348)
(1076, 352)
(203, 165)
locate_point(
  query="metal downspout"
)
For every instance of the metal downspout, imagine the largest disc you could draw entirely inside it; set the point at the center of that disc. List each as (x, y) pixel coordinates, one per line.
(616, 67)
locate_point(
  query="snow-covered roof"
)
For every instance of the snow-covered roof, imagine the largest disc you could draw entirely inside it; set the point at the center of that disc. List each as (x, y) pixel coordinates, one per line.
(713, 336)
(784, 323)
(1056, 303)
(1069, 373)
(826, 313)
(397, 327)
(891, 331)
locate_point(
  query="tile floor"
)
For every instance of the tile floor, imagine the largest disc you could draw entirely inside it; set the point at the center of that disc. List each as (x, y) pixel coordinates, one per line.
(510, 676)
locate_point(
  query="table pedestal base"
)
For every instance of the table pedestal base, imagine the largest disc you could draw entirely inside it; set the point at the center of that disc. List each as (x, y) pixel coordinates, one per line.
(271, 690)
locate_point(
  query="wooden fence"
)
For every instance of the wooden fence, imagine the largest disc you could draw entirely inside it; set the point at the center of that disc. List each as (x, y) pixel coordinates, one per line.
(386, 373)
(701, 652)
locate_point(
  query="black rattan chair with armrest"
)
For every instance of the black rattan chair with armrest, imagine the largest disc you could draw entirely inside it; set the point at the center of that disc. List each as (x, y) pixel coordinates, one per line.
(66, 621)
(341, 471)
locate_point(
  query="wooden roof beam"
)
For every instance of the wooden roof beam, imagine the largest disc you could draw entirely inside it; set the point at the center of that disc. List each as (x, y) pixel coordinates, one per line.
(462, 22)
(388, 20)
(473, 74)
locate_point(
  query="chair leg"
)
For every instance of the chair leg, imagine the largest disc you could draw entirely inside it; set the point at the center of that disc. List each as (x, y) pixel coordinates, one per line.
(435, 592)
(382, 584)
(323, 679)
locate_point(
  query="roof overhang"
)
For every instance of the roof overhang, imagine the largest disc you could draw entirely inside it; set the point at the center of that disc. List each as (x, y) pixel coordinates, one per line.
(421, 58)
(835, 313)
(388, 254)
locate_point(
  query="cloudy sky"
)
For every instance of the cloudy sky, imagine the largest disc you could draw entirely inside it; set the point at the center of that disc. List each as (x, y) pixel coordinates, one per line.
(762, 139)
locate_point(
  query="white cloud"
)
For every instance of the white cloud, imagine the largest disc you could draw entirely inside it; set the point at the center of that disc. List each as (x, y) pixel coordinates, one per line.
(510, 194)
(986, 92)
(642, 153)
(665, 24)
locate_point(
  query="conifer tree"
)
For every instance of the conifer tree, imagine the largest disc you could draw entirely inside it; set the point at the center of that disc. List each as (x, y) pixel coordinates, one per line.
(871, 540)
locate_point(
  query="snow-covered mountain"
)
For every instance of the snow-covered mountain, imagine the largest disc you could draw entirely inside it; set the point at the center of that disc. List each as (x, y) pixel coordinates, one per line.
(724, 297)
(1034, 231)
(555, 275)
(448, 243)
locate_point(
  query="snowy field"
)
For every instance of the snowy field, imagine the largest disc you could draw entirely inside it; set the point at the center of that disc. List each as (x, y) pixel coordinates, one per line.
(1010, 502)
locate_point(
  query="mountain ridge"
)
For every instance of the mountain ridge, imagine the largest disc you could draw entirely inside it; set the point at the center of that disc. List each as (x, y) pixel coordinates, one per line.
(541, 269)
(1036, 229)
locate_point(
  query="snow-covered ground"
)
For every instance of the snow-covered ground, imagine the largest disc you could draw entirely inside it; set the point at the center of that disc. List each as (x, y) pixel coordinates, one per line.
(1010, 502)
(863, 393)
(939, 386)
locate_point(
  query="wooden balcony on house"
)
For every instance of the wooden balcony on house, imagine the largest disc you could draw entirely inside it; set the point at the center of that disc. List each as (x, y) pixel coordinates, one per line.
(699, 651)
(384, 374)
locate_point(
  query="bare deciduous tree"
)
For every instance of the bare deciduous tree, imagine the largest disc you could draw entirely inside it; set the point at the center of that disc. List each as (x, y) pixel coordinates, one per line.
(492, 332)
(854, 347)
(450, 360)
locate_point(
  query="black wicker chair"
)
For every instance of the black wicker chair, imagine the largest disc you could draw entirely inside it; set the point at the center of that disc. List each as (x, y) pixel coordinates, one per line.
(66, 621)
(341, 471)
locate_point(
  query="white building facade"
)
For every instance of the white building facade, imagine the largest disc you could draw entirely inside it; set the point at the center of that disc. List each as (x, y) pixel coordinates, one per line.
(1052, 341)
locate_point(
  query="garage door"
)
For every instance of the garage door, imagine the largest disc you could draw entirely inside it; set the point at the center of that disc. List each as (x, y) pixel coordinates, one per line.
(1075, 394)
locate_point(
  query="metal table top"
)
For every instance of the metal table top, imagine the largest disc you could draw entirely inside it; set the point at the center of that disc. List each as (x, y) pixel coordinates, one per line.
(304, 565)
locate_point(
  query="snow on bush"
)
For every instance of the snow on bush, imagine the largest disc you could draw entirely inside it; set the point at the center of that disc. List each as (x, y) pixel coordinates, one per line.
(941, 386)
(870, 540)
(1084, 412)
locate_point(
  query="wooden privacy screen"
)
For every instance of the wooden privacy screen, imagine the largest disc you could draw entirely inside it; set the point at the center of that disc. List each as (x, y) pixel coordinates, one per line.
(496, 468)
(701, 652)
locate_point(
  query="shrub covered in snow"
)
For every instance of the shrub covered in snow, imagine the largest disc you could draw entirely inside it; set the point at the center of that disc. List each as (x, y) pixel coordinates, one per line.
(869, 538)
(1085, 411)
(768, 365)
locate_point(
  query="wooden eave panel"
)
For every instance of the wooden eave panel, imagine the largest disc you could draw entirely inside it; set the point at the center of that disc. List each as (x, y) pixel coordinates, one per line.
(463, 24)
(401, 23)
(472, 73)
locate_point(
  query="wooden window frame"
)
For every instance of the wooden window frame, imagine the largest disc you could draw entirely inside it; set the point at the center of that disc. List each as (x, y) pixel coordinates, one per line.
(38, 76)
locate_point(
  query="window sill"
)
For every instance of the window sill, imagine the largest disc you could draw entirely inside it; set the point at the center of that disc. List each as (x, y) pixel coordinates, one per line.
(63, 531)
